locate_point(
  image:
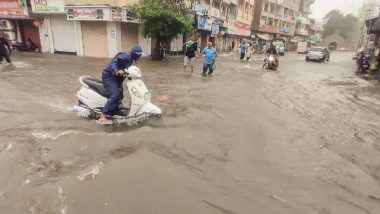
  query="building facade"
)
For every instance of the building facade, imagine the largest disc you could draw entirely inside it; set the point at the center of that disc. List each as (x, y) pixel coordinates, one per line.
(21, 26)
(287, 20)
(101, 28)
(223, 21)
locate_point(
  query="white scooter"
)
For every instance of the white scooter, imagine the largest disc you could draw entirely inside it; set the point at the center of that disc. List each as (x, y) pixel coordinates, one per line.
(93, 95)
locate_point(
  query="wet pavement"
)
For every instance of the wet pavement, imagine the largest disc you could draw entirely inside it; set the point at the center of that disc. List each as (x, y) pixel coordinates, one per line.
(305, 139)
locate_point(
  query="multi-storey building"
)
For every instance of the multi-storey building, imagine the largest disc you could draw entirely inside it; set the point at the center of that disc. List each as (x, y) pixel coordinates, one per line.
(275, 19)
(101, 28)
(367, 15)
(223, 21)
(303, 24)
(315, 32)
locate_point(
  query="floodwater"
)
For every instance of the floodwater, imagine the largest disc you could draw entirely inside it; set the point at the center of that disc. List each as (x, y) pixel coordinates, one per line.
(302, 140)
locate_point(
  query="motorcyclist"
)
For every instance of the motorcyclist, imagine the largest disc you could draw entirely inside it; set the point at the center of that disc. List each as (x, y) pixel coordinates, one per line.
(273, 51)
(360, 56)
(360, 59)
(113, 77)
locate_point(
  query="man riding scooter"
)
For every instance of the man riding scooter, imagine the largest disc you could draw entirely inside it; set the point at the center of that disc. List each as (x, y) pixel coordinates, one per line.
(113, 77)
(273, 51)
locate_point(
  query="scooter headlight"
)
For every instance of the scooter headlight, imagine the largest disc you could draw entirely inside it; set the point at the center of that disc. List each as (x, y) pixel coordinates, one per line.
(271, 58)
(136, 93)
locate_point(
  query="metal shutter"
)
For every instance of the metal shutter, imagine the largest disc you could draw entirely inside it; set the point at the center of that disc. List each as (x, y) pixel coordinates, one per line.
(94, 35)
(63, 34)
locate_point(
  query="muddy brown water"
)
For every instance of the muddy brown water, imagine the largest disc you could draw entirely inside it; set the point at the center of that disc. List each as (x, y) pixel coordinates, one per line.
(302, 140)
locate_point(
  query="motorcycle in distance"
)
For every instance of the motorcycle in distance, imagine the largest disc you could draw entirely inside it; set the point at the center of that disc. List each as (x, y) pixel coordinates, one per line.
(93, 95)
(270, 63)
(363, 62)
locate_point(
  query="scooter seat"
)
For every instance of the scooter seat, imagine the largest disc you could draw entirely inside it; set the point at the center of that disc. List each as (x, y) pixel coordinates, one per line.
(97, 86)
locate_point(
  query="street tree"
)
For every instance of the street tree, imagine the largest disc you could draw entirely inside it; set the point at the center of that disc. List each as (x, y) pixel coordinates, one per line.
(163, 20)
(337, 22)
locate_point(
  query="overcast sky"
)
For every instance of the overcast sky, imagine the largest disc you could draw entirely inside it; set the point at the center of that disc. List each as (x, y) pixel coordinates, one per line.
(322, 7)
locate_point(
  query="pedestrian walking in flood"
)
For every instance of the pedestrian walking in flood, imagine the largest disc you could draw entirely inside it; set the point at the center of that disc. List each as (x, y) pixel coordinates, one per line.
(242, 51)
(5, 49)
(210, 53)
(191, 53)
(249, 51)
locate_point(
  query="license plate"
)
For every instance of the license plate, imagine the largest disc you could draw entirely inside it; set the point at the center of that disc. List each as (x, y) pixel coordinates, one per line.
(148, 96)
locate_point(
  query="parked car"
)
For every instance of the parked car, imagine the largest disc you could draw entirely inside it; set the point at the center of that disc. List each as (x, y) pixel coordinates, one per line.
(320, 54)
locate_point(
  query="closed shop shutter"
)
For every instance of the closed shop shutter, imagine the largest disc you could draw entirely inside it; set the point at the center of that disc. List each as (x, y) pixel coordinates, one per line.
(63, 34)
(129, 35)
(94, 35)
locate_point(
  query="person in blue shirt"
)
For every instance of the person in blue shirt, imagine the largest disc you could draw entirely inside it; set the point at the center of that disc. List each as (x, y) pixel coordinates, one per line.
(210, 54)
(242, 48)
(113, 78)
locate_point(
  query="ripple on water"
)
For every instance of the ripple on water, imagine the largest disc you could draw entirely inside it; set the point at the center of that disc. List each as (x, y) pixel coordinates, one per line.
(45, 135)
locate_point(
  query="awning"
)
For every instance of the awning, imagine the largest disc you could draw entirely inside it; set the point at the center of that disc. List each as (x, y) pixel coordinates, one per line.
(265, 36)
(373, 25)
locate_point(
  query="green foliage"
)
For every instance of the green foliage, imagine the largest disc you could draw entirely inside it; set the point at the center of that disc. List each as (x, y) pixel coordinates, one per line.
(164, 19)
(337, 22)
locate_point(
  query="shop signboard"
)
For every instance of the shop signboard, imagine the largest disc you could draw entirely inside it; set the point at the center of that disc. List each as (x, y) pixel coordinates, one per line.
(214, 29)
(116, 14)
(123, 15)
(204, 23)
(201, 9)
(285, 30)
(88, 13)
(48, 6)
(14, 9)
(242, 29)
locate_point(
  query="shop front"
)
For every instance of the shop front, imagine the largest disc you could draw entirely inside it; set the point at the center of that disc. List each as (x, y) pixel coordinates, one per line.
(231, 36)
(17, 24)
(56, 32)
(93, 25)
(204, 28)
(129, 27)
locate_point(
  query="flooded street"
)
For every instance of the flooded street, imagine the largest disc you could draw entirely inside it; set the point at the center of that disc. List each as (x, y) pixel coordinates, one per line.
(302, 140)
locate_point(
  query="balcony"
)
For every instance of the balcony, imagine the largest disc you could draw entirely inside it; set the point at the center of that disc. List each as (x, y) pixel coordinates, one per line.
(282, 18)
(223, 17)
(215, 13)
(287, 31)
(269, 28)
(303, 20)
(302, 32)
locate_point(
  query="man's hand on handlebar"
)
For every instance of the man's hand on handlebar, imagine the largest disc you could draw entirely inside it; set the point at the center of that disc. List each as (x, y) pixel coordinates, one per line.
(120, 73)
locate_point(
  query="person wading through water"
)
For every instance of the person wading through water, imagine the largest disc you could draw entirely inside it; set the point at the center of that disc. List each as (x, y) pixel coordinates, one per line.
(192, 53)
(5, 49)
